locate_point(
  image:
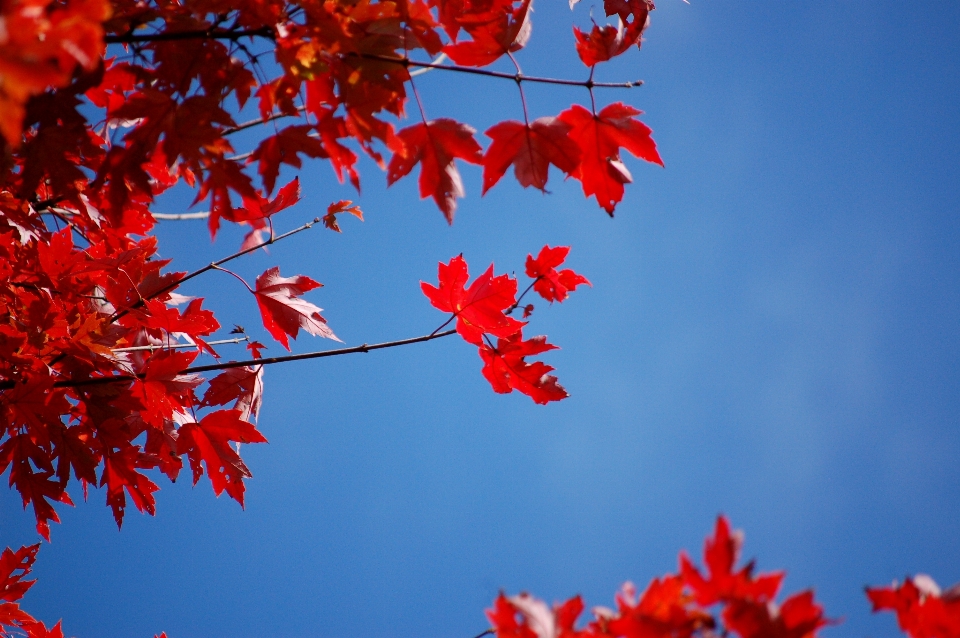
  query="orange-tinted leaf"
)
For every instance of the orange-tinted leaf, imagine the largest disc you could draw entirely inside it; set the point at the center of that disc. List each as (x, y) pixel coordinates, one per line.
(343, 206)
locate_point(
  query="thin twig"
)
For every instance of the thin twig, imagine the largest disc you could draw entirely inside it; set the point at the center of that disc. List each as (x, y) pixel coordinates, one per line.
(204, 34)
(211, 266)
(67, 383)
(178, 216)
(497, 74)
(178, 346)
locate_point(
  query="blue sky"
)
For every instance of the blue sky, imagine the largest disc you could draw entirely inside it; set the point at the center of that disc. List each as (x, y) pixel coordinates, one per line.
(773, 333)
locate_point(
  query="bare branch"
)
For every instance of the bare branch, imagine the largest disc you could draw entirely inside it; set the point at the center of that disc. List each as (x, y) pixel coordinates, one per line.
(178, 346)
(212, 266)
(180, 216)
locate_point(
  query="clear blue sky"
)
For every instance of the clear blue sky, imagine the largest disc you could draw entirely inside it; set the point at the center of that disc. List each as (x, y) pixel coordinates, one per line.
(773, 333)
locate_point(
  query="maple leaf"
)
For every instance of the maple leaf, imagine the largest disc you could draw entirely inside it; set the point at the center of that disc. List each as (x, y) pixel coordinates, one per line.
(14, 566)
(495, 34)
(600, 138)
(478, 309)
(284, 148)
(923, 610)
(163, 389)
(797, 617)
(606, 42)
(343, 206)
(537, 619)
(243, 385)
(721, 553)
(194, 321)
(261, 207)
(120, 472)
(506, 369)
(209, 441)
(283, 312)
(531, 149)
(37, 629)
(22, 454)
(551, 284)
(662, 611)
(434, 146)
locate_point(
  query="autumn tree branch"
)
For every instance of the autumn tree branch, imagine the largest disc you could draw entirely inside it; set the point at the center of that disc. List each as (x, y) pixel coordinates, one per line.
(213, 266)
(66, 383)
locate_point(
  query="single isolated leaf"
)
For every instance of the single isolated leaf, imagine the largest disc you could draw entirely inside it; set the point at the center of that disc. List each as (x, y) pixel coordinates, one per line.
(283, 312)
(434, 146)
(343, 206)
(507, 370)
(551, 284)
(600, 138)
(480, 308)
(531, 150)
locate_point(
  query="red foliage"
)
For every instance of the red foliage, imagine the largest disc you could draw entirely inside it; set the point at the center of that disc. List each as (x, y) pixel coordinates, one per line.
(923, 611)
(97, 378)
(96, 343)
(672, 606)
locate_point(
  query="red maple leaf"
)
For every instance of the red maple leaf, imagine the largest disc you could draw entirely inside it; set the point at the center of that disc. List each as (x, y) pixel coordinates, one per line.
(209, 441)
(480, 308)
(242, 385)
(606, 42)
(720, 553)
(14, 566)
(537, 619)
(662, 611)
(434, 146)
(283, 312)
(494, 34)
(506, 370)
(551, 284)
(163, 390)
(798, 617)
(119, 472)
(531, 150)
(193, 322)
(337, 208)
(923, 611)
(600, 138)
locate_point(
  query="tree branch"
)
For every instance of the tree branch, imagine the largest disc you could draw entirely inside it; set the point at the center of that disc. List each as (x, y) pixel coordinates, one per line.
(211, 266)
(516, 77)
(205, 34)
(178, 346)
(6, 385)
